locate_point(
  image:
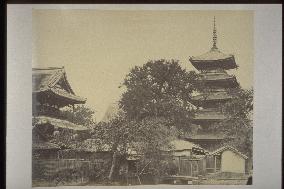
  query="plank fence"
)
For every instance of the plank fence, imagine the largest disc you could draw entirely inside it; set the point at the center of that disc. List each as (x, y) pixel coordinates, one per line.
(62, 170)
(191, 167)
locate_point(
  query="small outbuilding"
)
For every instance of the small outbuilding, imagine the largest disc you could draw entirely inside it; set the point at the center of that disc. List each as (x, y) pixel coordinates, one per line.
(231, 160)
(188, 157)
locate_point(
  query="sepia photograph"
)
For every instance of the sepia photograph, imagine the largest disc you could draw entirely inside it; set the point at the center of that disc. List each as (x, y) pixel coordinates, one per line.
(123, 98)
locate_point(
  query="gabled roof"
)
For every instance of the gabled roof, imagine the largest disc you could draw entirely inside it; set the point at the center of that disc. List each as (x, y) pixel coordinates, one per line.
(46, 79)
(58, 123)
(222, 149)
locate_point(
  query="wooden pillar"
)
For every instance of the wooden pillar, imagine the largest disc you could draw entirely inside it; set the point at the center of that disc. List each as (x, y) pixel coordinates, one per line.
(73, 112)
(179, 164)
(215, 164)
(191, 168)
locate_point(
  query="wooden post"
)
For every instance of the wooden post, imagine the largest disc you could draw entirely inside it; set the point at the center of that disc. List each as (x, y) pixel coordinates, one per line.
(215, 164)
(137, 173)
(197, 166)
(73, 112)
(179, 161)
(190, 168)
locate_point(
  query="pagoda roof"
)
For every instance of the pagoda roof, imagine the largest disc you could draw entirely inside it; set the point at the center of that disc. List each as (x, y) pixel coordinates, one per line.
(213, 96)
(219, 79)
(59, 123)
(208, 114)
(46, 80)
(216, 76)
(213, 59)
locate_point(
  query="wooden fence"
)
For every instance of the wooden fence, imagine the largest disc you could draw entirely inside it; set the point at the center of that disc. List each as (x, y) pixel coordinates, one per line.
(191, 167)
(62, 170)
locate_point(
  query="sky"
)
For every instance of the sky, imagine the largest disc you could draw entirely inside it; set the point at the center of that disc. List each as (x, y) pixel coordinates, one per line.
(98, 48)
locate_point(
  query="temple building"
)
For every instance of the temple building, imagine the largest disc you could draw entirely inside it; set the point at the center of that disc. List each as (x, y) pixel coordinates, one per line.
(217, 83)
(51, 91)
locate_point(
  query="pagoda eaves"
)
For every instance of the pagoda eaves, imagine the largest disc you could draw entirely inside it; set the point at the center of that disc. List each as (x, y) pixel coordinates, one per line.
(214, 59)
(216, 82)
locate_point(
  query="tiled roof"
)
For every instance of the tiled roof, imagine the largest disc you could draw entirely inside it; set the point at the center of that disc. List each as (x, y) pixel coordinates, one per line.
(216, 152)
(213, 54)
(59, 123)
(214, 58)
(45, 80)
(216, 76)
(183, 145)
(44, 146)
(206, 137)
(92, 145)
(222, 95)
(65, 94)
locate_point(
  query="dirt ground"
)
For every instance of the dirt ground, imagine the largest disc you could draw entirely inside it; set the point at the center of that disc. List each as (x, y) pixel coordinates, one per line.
(223, 182)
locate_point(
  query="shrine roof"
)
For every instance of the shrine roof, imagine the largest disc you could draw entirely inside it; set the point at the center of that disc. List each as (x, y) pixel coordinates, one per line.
(47, 79)
(45, 146)
(59, 123)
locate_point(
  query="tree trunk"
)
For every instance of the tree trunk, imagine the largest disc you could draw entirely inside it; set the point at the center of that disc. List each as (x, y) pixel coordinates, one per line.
(113, 166)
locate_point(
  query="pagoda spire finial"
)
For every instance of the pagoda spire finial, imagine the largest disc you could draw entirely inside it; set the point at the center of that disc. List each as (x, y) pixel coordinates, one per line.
(214, 35)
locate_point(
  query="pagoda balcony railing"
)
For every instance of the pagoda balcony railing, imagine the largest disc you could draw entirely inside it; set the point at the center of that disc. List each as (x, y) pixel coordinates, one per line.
(45, 110)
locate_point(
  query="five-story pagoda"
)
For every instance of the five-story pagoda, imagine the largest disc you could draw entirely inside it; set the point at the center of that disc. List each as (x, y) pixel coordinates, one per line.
(216, 83)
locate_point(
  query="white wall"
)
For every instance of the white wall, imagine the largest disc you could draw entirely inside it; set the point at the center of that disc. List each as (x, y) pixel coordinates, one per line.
(232, 162)
(182, 153)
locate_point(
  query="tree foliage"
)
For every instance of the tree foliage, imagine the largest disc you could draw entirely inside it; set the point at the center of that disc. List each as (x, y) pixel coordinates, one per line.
(80, 115)
(159, 88)
(145, 138)
(238, 124)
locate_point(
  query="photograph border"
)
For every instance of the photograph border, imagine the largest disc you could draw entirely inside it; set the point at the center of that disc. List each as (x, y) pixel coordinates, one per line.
(267, 86)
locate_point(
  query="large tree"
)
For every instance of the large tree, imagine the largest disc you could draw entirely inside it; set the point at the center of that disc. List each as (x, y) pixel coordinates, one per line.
(145, 137)
(159, 88)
